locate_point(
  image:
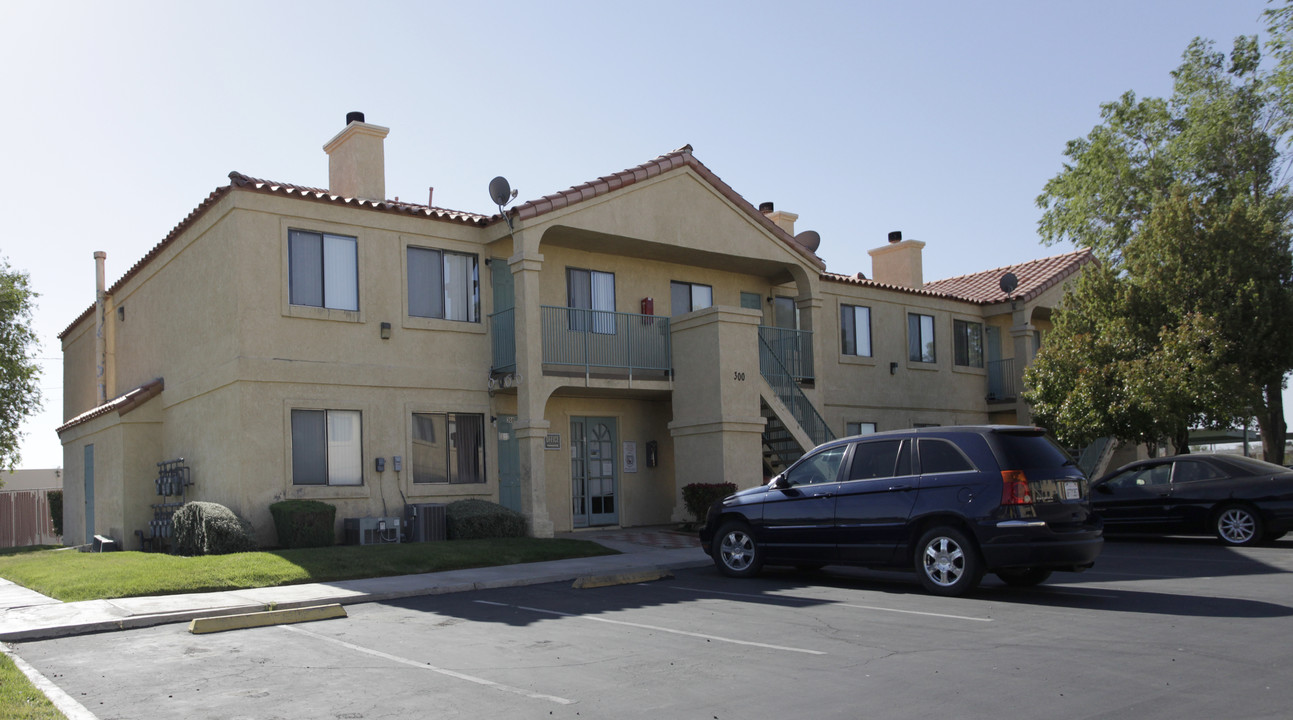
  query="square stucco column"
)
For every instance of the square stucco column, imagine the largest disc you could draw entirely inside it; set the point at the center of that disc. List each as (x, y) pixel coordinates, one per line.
(717, 429)
(1021, 335)
(531, 426)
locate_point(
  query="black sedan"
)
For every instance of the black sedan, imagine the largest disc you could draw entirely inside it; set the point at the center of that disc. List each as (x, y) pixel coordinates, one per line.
(1241, 500)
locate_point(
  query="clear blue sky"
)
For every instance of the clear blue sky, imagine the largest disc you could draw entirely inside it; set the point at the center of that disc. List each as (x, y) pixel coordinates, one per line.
(939, 118)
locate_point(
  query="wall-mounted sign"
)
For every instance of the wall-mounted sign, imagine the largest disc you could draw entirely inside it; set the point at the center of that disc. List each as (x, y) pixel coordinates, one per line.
(552, 441)
(630, 456)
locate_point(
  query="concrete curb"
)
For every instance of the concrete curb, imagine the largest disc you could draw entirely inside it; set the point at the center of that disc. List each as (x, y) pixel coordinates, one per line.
(597, 581)
(269, 617)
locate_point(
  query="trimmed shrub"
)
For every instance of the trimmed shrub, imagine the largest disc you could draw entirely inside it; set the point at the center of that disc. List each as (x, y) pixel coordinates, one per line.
(55, 498)
(699, 496)
(477, 519)
(207, 528)
(304, 523)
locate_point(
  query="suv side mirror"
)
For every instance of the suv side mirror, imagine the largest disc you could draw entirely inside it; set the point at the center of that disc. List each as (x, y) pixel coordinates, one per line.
(779, 482)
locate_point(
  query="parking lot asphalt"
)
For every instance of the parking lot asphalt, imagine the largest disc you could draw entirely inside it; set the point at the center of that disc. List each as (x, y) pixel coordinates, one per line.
(1173, 628)
(27, 615)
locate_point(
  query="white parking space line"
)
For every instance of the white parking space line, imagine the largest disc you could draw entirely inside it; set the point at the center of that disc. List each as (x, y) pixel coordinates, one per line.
(427, 666)
(832, 602)
(655, 628)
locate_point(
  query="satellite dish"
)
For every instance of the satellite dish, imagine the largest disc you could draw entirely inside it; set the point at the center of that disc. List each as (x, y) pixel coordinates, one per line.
(810, 240)
(500, 191)
(1008, 283)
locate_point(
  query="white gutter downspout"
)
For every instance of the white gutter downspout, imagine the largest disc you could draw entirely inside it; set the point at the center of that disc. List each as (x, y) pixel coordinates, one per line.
(100, 342)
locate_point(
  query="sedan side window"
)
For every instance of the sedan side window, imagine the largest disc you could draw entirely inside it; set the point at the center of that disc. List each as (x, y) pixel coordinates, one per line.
(1187, 470)
(1142, 477)
(820, 468)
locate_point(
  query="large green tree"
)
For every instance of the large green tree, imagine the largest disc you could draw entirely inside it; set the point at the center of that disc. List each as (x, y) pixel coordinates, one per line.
(19, 392)
(1185, 320)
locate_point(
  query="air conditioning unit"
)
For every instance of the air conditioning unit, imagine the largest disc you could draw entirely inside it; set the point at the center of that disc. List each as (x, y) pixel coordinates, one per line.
(426, 522)
(371, 531)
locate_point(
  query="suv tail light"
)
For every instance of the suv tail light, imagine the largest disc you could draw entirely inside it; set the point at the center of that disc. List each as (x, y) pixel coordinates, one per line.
(1014, 488)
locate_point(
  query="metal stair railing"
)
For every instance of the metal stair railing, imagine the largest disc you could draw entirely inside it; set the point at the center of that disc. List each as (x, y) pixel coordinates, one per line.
(790, 395)
(779, 444)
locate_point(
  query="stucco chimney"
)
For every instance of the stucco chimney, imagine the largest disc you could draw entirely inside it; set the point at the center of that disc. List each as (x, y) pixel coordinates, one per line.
(898, 262)
(357, 160)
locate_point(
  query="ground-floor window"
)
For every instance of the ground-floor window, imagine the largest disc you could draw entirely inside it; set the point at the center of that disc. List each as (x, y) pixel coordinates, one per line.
(448, 448)
(859, 428)
(327, 447)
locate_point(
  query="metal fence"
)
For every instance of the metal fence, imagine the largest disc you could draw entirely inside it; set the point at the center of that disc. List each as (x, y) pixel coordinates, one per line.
(1001, 380)
(602, 340)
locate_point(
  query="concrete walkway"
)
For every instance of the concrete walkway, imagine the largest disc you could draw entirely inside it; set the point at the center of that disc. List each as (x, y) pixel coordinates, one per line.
(26, 615)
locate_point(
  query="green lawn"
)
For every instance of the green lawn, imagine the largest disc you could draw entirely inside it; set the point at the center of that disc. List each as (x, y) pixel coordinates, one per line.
(70, 575)
(19, 699)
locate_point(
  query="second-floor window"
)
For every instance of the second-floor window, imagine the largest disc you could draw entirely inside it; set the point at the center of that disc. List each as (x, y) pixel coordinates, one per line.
(443, 284)
(685, 297)
(967, 343)
(594, 292)
(323, 270)
(920, 338)
(855, 330)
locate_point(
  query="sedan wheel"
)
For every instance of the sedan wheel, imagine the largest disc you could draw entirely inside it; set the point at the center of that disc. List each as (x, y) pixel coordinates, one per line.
(737, 553)
(1238, 525)
(947, 562)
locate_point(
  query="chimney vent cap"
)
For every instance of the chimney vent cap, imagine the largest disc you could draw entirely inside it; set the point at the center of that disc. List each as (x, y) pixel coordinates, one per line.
(766, 207)
(895, 236)
(354, 116)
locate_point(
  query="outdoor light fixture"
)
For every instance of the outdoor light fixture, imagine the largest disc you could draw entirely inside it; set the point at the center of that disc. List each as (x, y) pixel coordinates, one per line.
(386, 331)
(893, 368)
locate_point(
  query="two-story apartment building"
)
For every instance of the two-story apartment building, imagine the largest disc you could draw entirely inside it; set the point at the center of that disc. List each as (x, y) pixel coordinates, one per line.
(580, 358)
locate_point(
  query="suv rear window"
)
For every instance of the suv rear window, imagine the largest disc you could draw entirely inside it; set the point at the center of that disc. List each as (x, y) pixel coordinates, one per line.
(1031, 451)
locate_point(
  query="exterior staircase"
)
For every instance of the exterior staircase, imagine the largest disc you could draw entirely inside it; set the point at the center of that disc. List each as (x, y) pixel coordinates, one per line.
(794, 426)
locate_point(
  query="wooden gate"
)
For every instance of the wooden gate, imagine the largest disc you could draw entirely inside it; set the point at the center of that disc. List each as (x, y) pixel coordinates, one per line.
(25, 520)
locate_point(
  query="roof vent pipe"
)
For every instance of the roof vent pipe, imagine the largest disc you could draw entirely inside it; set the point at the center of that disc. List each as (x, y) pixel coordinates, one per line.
(895, 236)
(354, 116)
(100, 342)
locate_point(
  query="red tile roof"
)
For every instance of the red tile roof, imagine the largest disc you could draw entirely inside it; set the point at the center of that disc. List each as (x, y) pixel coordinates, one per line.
(681, 157)
(982, 288)
(244, 182)
(1035, 277)
(121, 404)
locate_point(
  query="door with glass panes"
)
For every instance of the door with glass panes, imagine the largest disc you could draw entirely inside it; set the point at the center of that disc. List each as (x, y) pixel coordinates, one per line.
(593, 471)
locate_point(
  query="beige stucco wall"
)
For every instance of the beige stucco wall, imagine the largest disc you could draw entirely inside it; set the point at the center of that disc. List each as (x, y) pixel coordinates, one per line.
(863, 389)
(124, 448)
(645, 497)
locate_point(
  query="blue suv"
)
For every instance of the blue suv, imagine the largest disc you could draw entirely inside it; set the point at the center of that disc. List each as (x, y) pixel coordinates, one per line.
(952, 503)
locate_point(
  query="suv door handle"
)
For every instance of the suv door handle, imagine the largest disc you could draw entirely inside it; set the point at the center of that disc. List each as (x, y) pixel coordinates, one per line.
(903, 486)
